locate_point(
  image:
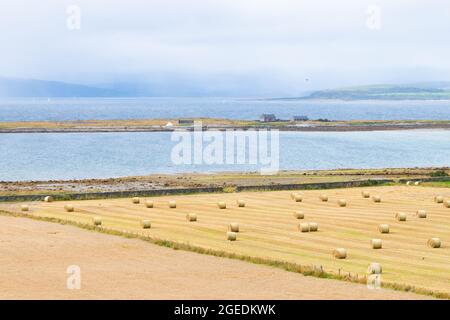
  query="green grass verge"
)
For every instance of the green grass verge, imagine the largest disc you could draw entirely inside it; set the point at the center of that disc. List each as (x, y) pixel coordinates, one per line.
(437, 184)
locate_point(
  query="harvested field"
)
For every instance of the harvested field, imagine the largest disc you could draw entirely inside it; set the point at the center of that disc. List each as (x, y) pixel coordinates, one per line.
(118, 268)
(268, 229)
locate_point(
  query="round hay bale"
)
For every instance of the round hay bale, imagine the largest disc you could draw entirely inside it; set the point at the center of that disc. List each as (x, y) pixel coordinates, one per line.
(383, 228)
(323, 197)
(422, 214)
(231, 236)
(299, 215)
(146, 224)
(342, 203)
(303, 227)
(233, 227)
(135, 200)
(376, 199)
(417, 183)
(365, 194)
(376, 243)
(400, 216)
(447, 204)
(408, 183)
(24, 207)
(313, 226)
(374, 268)
(439, 199)
(172, 204)
(97, 221)
(48, 199)
(340, 253)
(69, 208)
(191, 217)
(222, 205)
(293, 195)
(240, 203)
(298, 198)
(434, 243)
(149, 203)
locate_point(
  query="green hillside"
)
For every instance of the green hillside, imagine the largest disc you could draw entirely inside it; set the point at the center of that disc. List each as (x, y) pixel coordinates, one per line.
(419, 91)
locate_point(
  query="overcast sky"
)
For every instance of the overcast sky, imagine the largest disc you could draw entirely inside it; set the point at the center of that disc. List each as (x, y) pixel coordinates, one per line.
(254, 47)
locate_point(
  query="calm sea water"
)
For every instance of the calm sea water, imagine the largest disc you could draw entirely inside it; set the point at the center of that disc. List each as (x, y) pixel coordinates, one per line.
(232, 108)
(97, 155)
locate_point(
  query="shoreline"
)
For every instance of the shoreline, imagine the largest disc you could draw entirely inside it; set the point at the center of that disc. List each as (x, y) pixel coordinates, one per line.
(221, 181)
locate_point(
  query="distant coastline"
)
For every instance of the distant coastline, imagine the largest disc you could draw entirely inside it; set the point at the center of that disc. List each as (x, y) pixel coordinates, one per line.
(399, 92)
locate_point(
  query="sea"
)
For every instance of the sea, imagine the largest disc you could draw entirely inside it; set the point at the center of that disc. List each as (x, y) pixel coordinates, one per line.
(65, 156)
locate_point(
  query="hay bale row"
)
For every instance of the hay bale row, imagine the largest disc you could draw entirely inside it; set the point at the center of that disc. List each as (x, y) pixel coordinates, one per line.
(434, 243)
(295, 194)
(299, 215)
(342, 203)
(135, 200)
(233, 227)
(383, 228)
(313, 226)
(376, 199)
(172, 204)
(422, 214)
(191, 217)
(308, 227)
(400, 216)
(340, 253)
(231, 236)
(146, 224)
(97, 221)
(24, 207)
(376, 243)
(303, 227)
(69, 207)
(374, 268)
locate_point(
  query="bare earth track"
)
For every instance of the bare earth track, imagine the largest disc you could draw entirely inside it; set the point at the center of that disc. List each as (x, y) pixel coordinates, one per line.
(34, 256)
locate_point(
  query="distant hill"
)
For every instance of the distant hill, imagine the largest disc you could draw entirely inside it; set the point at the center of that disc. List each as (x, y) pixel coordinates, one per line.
(417, 91)
(13, 87)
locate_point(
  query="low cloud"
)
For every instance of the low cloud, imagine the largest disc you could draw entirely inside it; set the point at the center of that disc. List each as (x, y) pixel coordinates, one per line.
(237, 47)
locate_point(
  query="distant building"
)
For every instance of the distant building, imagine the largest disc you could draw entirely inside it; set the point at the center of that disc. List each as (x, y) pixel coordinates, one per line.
(268, 117)
(186, 121)
(301, 118)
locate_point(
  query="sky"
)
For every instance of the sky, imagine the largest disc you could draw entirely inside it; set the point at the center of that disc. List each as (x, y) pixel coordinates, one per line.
(226, 47)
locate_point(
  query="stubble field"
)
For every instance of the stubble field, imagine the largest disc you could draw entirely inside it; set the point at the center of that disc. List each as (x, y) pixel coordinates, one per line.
(268, 228)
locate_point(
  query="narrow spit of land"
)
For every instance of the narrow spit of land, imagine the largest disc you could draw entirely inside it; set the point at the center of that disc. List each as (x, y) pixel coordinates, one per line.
(168, 125)
(132, 269)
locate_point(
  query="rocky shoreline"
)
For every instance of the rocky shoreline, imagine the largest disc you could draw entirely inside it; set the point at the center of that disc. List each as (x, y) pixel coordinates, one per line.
(227, 181)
